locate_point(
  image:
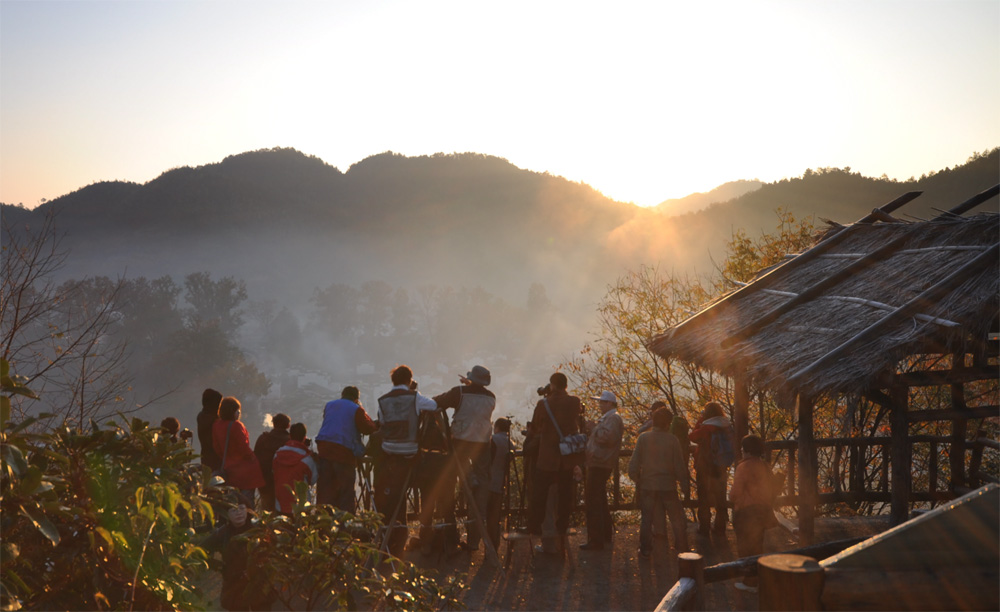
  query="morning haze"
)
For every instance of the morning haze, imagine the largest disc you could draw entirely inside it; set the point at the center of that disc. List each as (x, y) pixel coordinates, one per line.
(318, 278)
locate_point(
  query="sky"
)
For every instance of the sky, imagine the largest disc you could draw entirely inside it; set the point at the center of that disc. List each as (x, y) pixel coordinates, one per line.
(644, 101)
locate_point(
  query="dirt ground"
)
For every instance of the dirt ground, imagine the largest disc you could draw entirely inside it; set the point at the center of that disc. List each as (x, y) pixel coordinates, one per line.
(616, 578)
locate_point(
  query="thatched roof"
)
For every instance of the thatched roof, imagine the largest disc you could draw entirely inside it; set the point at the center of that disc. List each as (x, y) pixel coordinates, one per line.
(840, 316)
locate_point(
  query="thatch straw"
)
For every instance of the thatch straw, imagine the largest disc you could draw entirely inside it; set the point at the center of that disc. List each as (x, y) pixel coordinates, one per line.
(802, 336)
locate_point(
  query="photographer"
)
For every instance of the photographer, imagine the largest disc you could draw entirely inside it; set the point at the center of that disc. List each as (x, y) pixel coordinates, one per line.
(339, 447)
(471, 429)
(292, 462)
(398, 415)
(552, 466)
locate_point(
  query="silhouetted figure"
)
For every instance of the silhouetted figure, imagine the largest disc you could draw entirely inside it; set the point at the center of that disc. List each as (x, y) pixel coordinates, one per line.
(210, 400)
(264, 448)
(713, 433)
(656, 467)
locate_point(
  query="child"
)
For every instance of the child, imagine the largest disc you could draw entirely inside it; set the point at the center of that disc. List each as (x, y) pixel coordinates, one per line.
(753, 499)
(292, 462)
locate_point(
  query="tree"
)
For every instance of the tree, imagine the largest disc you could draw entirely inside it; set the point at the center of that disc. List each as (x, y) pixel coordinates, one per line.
(61, 337)
(214, 301)
(643, 303)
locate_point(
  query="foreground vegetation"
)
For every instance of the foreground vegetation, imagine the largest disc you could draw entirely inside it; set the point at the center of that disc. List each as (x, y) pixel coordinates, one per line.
(116, 516)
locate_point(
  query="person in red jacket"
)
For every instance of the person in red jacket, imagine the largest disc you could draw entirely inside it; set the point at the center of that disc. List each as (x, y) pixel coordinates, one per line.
(242, 471)
(293, 462)
(713, 433)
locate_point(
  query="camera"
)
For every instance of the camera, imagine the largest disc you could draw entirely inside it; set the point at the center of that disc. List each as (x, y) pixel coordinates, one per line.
(185, 434)
(543, 391)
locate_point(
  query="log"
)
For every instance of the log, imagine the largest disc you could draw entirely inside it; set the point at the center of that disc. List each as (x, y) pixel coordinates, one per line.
(747, 566)
(944, 588)
(692, 565)
(678, 597)
(789, 582)
(933, 378)
(959, 429)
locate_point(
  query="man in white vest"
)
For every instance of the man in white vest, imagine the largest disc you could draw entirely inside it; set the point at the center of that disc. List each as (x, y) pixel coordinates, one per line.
(398, 418)
(471, 429)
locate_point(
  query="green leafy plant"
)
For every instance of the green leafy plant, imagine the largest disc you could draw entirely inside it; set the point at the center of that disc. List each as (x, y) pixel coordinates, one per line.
(98, 519)
(324, 558)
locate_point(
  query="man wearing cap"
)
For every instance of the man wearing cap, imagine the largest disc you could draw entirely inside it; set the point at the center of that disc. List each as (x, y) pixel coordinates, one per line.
(471, 429)
(604, 441)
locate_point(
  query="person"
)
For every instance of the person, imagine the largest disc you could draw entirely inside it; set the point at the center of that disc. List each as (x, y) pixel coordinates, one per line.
(172, 427)
(210, 400)
(398, 415)
(292, 462)
(471, 429)
(242, 471)
(604, 442)
(552, 466)
(264, 447)
(656, 467)
(500, 452)
(753, 496)
(339, 446)
(713, 435)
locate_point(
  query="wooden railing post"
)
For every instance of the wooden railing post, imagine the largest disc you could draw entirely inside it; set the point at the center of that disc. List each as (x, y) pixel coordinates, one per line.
(901, 455)
(692, 565)
(807, 470)
(789, 582)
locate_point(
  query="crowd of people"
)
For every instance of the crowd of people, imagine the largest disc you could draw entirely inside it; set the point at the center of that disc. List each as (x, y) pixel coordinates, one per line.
(414, 445)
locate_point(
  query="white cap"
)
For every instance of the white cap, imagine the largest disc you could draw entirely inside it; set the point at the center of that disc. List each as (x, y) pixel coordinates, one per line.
(607, 396)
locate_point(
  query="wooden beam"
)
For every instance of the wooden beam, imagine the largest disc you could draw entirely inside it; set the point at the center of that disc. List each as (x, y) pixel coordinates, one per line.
(980, 412)
(807, 470)
(901, 455)
(974, 201)
(932, 378)
(780, 271)
(930, 295)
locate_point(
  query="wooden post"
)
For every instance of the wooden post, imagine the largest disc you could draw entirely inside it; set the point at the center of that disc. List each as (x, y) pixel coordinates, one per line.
(807, 470)
(838, 450)
(932, 468)
(741, 410)
(901, 455)
(692, 565)
(789, 582)
(959, 430)
(977, 460)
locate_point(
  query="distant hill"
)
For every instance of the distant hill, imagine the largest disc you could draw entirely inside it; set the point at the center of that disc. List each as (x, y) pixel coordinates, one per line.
(288, 223)
(698, 201)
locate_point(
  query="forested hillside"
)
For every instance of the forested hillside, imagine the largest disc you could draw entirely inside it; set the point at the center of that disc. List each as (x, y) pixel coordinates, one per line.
(435, 260)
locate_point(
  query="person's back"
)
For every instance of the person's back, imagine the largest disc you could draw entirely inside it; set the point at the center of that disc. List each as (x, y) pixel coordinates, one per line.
(292, 462)
(266, 445)
(657, 457)
(210, 400)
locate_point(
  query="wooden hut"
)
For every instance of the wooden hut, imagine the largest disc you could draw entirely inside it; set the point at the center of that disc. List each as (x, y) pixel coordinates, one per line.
(841, 318)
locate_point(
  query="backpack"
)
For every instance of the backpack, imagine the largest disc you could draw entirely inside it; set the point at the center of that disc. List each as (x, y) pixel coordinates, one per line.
(723, 454)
